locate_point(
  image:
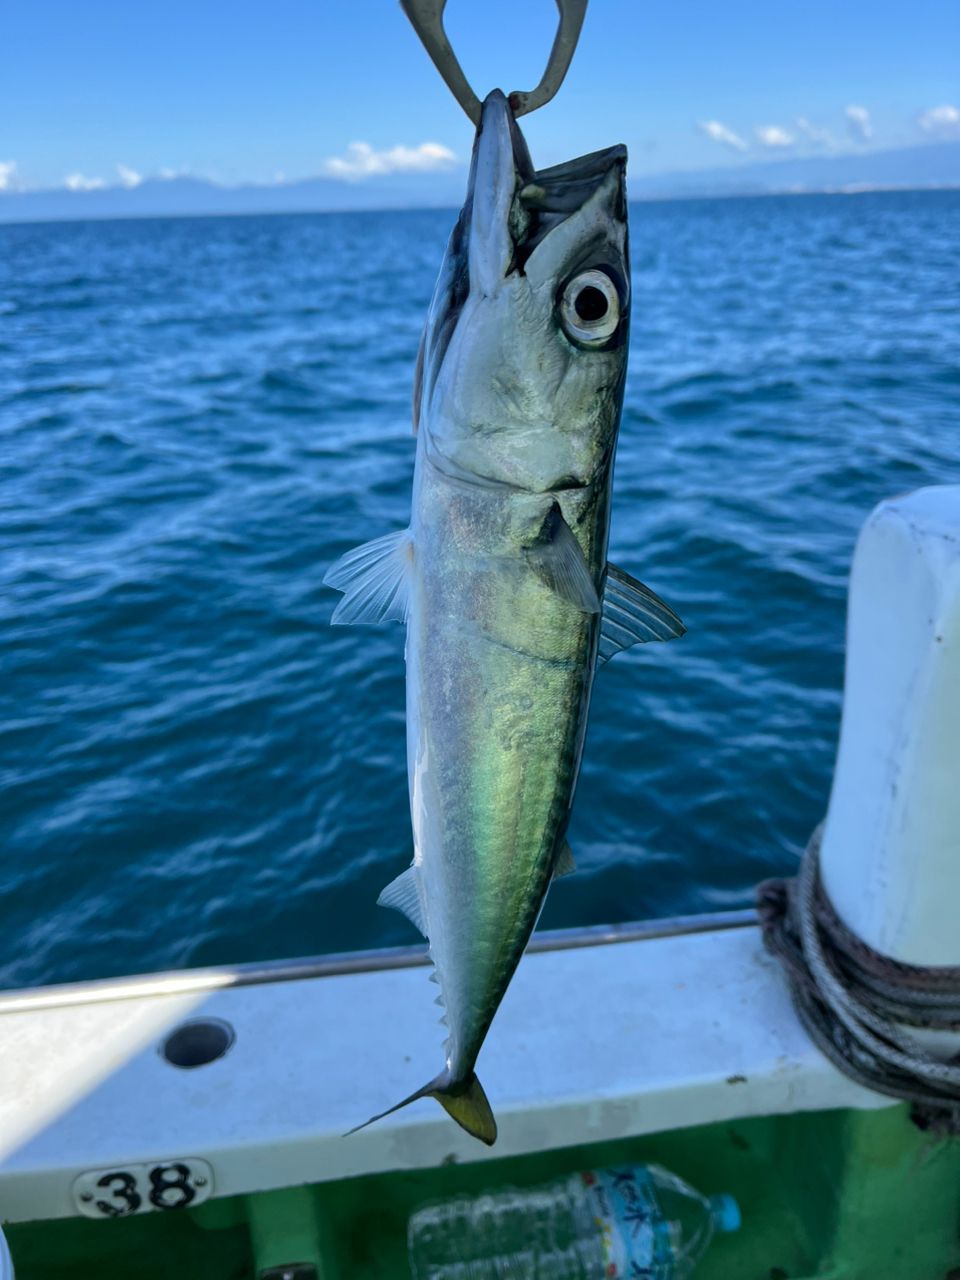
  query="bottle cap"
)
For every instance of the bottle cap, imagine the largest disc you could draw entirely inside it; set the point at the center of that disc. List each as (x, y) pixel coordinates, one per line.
(726, 1213)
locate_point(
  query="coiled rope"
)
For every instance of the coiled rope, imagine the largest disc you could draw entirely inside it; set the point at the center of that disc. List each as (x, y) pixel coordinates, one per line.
(857, 1004)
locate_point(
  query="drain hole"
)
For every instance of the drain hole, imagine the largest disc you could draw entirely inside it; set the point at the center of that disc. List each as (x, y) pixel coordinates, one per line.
(194, 1044)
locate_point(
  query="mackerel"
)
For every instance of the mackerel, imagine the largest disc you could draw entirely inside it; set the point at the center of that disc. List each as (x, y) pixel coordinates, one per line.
(501, 577)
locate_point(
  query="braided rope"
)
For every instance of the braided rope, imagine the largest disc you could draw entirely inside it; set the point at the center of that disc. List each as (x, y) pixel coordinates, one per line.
(858, 1005)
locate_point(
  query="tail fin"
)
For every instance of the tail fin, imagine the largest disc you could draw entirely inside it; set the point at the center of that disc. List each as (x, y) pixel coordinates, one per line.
(464, 1101)
(470, 1108)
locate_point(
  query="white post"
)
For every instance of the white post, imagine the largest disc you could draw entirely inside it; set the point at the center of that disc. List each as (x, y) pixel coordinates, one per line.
(890, 859)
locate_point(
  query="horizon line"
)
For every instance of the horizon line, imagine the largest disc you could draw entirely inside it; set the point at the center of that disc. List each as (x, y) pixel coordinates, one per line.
(847, 190)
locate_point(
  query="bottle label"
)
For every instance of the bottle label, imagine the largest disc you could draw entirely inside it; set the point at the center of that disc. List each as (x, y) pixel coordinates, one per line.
(635, 1239)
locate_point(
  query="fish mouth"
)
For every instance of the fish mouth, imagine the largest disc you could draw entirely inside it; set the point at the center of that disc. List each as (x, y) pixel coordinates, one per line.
(511, 205)
(501, 160)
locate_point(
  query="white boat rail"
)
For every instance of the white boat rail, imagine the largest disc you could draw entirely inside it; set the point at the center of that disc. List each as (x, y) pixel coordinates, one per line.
(219, 977)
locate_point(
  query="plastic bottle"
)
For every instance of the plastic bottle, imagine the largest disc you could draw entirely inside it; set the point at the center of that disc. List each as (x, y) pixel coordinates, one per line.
(605, 1224)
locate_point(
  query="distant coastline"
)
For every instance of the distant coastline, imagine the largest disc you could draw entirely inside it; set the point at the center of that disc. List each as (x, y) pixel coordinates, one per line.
(450, 206)
(852, 189)
(930, 167)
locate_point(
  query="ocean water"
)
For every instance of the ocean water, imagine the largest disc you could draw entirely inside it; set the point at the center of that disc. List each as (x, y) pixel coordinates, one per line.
(197, 416)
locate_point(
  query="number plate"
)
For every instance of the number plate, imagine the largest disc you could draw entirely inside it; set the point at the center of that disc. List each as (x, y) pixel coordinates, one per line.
(141, 1188)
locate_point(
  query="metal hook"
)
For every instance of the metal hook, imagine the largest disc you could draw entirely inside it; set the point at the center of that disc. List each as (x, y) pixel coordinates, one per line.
(426, 16)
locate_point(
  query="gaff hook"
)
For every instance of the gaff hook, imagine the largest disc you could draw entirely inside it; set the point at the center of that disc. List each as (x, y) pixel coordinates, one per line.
(426, 17)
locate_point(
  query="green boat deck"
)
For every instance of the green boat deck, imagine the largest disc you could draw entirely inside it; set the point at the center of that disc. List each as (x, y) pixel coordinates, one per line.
(838, 1195)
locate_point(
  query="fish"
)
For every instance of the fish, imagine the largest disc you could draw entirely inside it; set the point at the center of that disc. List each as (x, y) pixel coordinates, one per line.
(501, 578)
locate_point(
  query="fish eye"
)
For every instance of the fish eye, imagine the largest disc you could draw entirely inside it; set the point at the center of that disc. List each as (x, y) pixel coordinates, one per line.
(590, 308)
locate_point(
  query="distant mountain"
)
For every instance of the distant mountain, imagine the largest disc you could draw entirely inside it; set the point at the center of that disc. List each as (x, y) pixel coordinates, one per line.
(931, 165)
(935, 164)
(170, 197)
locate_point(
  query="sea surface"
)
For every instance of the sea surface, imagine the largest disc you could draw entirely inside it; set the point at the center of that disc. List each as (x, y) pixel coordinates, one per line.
(198, 415)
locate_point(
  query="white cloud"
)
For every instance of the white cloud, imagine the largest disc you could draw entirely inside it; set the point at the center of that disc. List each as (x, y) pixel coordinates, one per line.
(943, 122)
(858, 123)
(771, 135)
(8, 174)
(168, 175)
(362, 161)
(720, 133)
(814, 134)
(77, 182)
(128, 177)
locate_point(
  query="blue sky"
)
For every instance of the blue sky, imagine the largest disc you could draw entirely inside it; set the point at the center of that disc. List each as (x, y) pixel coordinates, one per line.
(237, 90)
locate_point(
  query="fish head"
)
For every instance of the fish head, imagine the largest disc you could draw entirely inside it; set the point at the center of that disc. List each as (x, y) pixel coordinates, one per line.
(523, 359)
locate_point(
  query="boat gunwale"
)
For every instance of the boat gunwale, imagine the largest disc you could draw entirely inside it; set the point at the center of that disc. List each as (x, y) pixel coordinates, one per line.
(339, 964)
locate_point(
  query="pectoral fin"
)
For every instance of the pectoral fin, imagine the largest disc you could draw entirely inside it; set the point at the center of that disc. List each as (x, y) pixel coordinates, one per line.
(374, 580)
(558, 559)
(633, 614)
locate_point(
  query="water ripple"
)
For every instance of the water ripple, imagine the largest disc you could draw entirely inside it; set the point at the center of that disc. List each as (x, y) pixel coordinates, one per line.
(197, 416)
